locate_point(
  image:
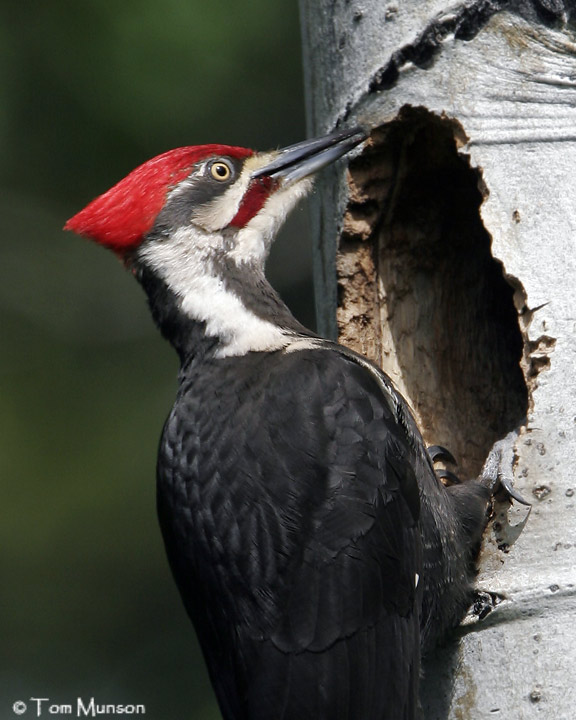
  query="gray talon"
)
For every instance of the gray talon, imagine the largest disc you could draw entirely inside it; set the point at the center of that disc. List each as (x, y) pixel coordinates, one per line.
(506, 484)
(499, 468)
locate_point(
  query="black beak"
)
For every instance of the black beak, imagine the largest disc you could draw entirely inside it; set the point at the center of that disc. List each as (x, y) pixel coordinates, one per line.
(305, 158)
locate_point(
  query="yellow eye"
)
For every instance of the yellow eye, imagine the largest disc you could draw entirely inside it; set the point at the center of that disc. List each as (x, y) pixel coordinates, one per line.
(220, 170)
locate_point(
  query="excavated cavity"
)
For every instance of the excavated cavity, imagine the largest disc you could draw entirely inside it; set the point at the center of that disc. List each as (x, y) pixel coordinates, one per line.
(422, 295)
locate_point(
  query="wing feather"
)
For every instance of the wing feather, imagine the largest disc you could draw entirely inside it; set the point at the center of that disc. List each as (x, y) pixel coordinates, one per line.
(299, 519)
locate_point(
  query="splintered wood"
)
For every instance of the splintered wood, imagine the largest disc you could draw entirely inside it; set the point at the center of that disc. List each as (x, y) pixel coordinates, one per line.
(421, 294)
(358, 312)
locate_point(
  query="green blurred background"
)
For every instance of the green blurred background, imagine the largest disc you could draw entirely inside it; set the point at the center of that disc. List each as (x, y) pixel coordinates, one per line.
(90, 89)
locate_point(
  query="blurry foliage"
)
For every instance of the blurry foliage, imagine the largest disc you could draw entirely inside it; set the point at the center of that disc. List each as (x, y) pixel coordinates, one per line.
(89, 90)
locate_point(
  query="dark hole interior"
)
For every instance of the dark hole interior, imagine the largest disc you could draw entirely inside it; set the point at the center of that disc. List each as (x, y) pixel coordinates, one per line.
(451, 334)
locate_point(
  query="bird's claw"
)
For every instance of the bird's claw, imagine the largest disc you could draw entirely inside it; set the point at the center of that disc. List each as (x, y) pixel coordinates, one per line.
(497, 475)
(498, 469)
(439, 452)
(506, 484)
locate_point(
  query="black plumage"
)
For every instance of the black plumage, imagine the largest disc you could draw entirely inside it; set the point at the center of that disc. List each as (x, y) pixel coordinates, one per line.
(286, 517)
(308, 534)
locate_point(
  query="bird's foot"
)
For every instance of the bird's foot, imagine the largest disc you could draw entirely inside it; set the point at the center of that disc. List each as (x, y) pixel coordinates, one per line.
(497, 475)
(498, 469)
(484, 602)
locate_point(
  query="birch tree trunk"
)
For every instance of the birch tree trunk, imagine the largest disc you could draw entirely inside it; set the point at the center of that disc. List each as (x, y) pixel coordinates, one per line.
(447, 254)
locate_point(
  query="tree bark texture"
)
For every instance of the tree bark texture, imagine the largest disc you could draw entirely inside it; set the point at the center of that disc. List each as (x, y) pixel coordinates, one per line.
(454, 268)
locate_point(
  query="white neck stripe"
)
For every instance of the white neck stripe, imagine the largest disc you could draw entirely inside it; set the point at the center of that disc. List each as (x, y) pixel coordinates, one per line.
(186, 268)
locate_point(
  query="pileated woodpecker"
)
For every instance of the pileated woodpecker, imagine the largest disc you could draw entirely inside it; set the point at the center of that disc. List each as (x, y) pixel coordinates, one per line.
(315, 549)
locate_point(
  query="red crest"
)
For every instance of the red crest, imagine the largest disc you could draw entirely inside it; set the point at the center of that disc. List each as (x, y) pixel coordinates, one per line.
(120, 218)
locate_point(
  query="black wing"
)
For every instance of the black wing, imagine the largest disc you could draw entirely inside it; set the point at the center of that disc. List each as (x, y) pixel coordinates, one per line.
(293, 533)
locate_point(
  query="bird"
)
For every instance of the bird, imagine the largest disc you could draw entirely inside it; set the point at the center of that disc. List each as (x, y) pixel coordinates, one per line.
(315, 549)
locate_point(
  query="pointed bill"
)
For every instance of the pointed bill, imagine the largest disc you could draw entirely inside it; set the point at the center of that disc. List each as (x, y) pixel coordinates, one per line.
(305, 158)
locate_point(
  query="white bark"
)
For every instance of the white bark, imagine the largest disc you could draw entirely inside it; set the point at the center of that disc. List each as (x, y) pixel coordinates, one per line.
(511, 86)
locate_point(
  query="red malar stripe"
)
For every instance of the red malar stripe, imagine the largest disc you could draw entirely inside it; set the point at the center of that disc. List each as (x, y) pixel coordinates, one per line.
(253, 201)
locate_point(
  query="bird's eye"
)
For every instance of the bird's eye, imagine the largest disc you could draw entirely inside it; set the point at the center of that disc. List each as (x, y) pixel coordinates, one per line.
(220, 170)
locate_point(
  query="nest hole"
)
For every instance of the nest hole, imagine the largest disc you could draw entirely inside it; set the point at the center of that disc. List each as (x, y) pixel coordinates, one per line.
(421, 293)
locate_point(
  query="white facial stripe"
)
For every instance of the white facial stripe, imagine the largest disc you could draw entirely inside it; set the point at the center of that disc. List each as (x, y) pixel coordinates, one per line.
(183, 262)
(227, 318)
(220, 212)
(254, 239)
